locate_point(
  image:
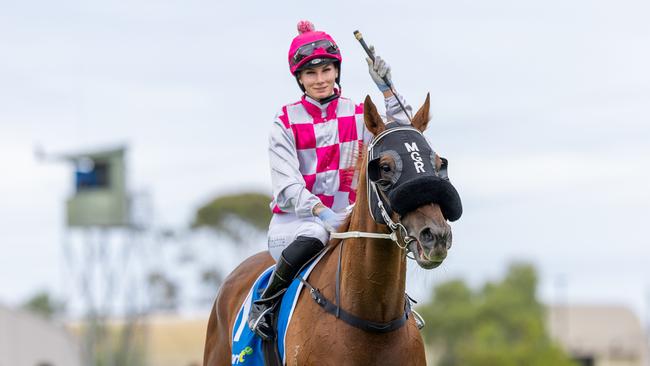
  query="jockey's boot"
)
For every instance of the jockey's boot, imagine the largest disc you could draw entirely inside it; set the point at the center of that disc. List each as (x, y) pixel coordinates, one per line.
(293, 257)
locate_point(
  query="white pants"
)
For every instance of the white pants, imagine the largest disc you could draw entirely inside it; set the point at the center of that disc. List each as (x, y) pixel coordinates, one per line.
(285, 228)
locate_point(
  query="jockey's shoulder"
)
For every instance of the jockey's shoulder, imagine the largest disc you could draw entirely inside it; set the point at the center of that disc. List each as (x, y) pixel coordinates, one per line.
(299, 101)
(281, 115)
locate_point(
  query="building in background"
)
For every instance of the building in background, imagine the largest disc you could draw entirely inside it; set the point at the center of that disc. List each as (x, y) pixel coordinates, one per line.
(27, 339)
(599, 335)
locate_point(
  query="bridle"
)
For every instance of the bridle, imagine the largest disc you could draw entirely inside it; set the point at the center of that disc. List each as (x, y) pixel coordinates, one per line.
(398, 234)
(397, 229)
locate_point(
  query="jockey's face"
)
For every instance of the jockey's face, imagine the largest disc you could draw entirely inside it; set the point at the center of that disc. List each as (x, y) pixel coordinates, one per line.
(319, 81)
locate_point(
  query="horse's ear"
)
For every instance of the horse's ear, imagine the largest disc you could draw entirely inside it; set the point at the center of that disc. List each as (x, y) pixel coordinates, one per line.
(373, 120)
(421, 119)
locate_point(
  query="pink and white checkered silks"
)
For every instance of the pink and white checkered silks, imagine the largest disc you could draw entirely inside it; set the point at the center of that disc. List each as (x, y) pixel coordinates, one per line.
(328, 145)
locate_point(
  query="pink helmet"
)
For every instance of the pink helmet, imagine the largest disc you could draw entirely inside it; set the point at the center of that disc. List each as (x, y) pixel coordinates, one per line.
(311, 48)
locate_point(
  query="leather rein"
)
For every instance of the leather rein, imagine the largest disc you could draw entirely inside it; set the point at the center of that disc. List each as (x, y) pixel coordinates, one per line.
(397, 229)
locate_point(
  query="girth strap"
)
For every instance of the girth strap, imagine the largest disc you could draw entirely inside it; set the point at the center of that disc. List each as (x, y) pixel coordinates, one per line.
(355, 321)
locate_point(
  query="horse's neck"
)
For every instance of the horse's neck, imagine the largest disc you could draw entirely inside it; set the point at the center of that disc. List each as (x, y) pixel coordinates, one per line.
(373, 273)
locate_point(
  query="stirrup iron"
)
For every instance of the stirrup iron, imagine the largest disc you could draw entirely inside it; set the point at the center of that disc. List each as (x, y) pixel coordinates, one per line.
(419, 321)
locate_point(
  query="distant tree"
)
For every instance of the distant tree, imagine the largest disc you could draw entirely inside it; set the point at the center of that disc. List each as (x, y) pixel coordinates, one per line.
(43, 304)
(502, 324)
(164, 292)
(226, 214)
(211, 280)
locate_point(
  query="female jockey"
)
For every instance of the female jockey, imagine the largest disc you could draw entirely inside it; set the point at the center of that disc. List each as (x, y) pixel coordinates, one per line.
(314, 147)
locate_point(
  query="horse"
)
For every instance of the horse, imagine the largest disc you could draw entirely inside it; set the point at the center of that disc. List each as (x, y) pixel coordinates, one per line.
(370, 269)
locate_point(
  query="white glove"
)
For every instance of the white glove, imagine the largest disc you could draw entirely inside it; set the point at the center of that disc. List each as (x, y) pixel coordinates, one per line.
(378, 70)
(331, 219)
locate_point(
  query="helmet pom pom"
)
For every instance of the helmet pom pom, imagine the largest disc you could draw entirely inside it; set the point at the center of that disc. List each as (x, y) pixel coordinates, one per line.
(305, 26)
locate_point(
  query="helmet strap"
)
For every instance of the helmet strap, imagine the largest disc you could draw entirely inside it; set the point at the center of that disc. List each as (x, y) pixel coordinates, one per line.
(329, 99)
(299, 84)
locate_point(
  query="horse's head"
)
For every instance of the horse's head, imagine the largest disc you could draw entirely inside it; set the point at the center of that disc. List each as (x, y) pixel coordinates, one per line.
(408, 188)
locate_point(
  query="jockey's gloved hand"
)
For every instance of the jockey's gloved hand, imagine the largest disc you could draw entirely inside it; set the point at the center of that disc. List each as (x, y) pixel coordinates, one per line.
(331, 219)
(378, 70)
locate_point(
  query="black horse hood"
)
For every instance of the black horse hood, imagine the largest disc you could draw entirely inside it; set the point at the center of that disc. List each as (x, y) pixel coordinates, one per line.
(416, 181)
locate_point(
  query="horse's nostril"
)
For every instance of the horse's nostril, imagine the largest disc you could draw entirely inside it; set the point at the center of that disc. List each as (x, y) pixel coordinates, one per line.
(426, 235)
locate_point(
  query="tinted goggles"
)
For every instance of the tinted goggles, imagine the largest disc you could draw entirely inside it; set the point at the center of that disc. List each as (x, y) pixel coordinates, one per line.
(308, 50)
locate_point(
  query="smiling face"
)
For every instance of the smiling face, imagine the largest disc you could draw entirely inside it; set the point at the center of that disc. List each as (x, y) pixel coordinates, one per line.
(319, 81)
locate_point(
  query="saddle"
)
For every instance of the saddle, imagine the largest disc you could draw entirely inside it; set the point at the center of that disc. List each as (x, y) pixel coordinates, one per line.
(247, 347)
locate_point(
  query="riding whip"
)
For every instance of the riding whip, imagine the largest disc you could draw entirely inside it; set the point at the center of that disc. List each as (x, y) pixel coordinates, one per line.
(359, 38)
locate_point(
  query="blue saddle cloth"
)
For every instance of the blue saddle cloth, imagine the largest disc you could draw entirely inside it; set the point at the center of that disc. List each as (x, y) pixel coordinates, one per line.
(246, 345)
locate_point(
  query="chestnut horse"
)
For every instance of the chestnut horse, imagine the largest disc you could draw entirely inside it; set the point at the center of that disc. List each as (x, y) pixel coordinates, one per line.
(372, 276)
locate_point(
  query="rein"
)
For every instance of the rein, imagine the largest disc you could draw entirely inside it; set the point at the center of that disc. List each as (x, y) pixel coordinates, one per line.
(394, 227)
(335, 308)
(355, 321)
(397, 229)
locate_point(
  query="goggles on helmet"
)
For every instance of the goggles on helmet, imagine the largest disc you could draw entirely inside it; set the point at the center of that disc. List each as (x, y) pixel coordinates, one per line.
(309, 48)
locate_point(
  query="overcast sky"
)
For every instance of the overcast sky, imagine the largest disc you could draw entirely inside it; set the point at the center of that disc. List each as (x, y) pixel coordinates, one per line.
(542, 108)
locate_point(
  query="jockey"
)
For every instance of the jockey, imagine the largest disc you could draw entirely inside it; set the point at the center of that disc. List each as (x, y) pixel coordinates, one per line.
(314, 147)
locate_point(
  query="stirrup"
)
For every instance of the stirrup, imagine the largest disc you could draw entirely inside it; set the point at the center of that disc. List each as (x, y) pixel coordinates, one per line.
(271, 304)
(267, 332)
(419, 321)
(255, 324)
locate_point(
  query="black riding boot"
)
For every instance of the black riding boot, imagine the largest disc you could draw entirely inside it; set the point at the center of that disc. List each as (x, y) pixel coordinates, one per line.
(262, 313)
